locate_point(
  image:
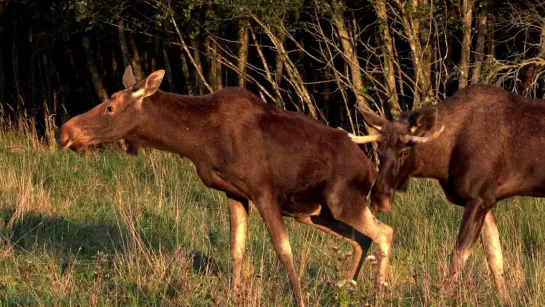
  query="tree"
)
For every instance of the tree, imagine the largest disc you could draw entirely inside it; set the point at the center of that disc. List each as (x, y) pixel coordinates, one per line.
(467, 17)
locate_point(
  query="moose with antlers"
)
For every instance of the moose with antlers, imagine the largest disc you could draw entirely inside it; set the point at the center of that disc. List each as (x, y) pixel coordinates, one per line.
(483, 144)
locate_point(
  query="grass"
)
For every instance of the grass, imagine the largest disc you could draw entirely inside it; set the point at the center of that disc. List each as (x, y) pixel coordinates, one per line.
(105, 228)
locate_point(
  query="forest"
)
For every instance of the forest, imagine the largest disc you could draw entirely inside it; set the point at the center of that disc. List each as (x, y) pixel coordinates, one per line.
(321, 58)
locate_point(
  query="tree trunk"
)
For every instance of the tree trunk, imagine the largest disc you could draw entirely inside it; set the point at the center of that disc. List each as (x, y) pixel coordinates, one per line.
(326, 94)
(300, 59)
(136, 60)
(488, 70)
(479, 48)
(388, 56)
(542, 48)
(209, 58)
(123, 44)
(467, 13)
(33, 86)
(93, 70)
(2, 76)
(113, 62)
(421, 55)
(244, 40)
(191, 90)
(279, 61)
(425, 42)
(79, 83)
(198, 66)
(43, 73)
(351, 59)
(400, 81)
(168, 69)
(157, 50)
(49, 108)
(214, 56)
(542, 43)
(19, 107)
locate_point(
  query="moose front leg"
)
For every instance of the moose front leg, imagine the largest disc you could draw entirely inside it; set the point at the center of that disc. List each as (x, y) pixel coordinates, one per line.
(470, 229)
(272, 216)
(238, 216)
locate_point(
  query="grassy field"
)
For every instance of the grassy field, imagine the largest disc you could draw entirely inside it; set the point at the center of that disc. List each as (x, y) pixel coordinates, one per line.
(107, 229)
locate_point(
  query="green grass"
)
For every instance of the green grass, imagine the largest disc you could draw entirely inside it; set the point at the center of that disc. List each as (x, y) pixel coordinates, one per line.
(105, 228)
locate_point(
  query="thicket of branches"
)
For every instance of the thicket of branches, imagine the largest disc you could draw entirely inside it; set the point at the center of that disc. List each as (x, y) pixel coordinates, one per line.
(59, 58)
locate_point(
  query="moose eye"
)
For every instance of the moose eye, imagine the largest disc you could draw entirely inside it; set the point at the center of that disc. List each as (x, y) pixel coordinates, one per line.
(404, 152)
(109, 110)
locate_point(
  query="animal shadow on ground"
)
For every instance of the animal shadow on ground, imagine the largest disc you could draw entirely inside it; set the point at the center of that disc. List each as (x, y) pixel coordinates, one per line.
(86, 240)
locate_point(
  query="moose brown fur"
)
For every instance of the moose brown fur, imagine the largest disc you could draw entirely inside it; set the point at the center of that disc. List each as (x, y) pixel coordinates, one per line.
(491, 149)
(285, 163)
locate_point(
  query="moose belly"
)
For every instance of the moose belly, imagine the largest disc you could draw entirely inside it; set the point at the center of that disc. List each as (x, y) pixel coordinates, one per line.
(531, 184)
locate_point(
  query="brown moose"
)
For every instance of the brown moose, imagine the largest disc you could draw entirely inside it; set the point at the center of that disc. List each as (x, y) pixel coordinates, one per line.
(287, 164)
(483, 145)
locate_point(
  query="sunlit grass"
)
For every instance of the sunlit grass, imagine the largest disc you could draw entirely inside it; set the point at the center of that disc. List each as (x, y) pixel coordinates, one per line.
(104, 228)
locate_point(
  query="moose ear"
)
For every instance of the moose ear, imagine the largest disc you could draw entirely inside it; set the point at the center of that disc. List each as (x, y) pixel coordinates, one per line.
(149, 86)
(153, 82)
(422, 121)
(372, 119)
(128, 77)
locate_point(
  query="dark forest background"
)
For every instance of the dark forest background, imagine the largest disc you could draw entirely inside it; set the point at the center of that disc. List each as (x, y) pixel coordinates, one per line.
(60, 58)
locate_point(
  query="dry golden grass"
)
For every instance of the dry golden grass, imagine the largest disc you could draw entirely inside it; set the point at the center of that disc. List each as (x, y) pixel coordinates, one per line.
(108, 229)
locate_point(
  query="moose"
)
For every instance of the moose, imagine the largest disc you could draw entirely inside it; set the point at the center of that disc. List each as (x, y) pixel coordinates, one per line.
(483, 144)
(284, 162)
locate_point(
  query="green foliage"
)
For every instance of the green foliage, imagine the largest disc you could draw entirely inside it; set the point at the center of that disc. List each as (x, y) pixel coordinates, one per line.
(94, 13)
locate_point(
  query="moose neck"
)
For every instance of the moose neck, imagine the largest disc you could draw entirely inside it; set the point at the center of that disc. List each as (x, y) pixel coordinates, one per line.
(176, 123)
(433, 159)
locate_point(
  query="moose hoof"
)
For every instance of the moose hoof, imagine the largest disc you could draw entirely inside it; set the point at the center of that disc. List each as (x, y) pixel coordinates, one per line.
(342, 283)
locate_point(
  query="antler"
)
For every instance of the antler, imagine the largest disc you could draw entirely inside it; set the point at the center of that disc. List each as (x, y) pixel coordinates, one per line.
(362, 139)
(423, 139)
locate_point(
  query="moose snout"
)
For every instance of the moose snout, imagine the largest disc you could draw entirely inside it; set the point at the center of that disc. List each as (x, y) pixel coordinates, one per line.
(381, 205)
(66, 136)
(63, 138)
(381, 199)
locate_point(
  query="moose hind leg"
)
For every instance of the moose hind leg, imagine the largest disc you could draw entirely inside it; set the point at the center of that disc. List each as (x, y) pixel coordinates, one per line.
(360, 243)
(364, 222)
(272, 216)
(238, 216)
(491, 242)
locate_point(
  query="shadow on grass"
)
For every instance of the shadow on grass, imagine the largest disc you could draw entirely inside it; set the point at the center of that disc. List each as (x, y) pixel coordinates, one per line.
(85, 240)
(34, 230)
